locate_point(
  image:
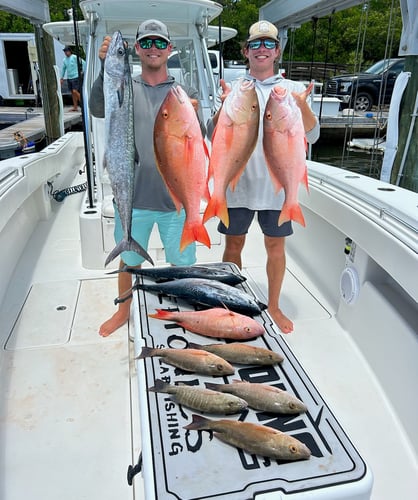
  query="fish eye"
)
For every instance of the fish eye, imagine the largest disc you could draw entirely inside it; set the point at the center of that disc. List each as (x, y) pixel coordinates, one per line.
(292, 406)
(121, 52)
(293, 449)
(247, 329)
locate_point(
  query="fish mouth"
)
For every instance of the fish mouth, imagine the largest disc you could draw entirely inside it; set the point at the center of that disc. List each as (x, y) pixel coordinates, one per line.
(177, 93)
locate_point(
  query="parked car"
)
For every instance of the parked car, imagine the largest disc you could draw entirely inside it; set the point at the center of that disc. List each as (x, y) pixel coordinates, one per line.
(361, 91)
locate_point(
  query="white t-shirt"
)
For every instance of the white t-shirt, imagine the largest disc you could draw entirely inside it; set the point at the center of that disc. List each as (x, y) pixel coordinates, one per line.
(255, 189)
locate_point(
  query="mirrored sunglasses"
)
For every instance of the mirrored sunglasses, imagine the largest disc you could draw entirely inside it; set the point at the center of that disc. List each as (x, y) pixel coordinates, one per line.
(146, 43)
(256, 44)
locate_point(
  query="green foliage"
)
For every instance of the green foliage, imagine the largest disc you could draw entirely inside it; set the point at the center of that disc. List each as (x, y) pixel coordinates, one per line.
(355, 36)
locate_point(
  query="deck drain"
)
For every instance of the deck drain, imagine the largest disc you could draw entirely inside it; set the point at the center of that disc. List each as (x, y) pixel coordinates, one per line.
(61, 308)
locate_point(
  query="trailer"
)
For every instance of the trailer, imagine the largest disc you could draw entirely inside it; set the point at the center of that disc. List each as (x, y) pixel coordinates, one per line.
(19, 69)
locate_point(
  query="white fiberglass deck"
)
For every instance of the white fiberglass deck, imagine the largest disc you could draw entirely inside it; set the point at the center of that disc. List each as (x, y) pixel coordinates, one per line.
(69, 409)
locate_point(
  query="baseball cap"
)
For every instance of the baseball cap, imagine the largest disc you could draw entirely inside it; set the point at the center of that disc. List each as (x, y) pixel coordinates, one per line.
(67, 48)
(263, 29)
(152, 27)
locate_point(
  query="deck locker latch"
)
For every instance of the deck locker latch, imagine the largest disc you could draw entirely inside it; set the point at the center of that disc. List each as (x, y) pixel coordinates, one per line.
(133, 470)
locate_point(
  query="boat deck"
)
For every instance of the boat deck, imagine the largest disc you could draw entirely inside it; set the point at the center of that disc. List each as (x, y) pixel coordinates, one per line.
(31, 123)
(69, 406)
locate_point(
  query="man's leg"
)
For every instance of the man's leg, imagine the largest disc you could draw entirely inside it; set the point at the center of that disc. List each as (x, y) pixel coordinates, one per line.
(121, 316)
(233, 249)
(276, 267)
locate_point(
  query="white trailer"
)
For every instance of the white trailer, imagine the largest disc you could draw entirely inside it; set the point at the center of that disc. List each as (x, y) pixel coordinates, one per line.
(19, 72)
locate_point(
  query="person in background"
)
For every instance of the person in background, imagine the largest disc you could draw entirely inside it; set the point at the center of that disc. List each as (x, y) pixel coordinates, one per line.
(255, 191)
(152, 202)
(70, 66)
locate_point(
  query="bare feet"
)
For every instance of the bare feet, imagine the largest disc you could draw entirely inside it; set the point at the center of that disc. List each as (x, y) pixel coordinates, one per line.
(115, 322)
(282, 321)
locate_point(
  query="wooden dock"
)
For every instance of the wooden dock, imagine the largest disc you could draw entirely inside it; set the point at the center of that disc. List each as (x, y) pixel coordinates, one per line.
(30, 123)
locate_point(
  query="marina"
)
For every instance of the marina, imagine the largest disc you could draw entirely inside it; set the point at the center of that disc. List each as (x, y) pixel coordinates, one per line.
(30, 123)
(77, 417)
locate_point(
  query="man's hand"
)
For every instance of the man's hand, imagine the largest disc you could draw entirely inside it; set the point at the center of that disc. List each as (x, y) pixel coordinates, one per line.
(195, 104)
(104, 47)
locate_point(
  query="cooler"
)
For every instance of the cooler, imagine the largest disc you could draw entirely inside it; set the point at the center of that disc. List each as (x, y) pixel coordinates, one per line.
(181, 464)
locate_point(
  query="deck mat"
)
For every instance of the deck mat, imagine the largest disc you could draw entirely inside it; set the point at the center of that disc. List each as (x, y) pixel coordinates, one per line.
(195, 465)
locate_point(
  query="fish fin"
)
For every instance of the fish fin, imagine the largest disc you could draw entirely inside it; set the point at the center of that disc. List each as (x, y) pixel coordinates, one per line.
(160, 314)
(121, 94)
(305, 180)
(198, 422)
(128, 245)
(292, 212)
(217, 208)
(194, 232)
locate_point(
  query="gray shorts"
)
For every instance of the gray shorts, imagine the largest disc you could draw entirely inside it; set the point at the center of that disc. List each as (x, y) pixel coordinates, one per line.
(240, 220)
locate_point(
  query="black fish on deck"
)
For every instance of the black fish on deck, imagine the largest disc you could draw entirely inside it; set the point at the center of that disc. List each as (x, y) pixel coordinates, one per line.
(209, 293)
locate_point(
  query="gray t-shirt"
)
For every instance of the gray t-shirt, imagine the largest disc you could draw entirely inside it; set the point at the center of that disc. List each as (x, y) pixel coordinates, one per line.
(150, 192)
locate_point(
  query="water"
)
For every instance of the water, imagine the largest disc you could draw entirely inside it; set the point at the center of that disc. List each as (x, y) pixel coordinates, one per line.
(335, 153)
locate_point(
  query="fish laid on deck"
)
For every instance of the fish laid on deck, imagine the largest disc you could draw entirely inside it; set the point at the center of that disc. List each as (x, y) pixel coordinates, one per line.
(208, 293)
(262, 397)
(253, 438)
(233, 142)
(201, 399)
(191, 360)
(216, 322)
(162, 274)
(119, 157)
(285, 147)
(242, 354)
(181, 154)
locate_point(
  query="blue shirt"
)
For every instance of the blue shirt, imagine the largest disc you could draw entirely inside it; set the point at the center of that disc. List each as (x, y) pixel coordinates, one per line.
(69, 66)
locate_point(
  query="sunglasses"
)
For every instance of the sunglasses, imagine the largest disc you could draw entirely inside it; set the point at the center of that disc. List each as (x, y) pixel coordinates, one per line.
(256, 44)
(146, 43)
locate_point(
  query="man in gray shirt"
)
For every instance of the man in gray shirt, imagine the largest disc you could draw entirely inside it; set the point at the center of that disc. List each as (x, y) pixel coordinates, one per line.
(152, 202)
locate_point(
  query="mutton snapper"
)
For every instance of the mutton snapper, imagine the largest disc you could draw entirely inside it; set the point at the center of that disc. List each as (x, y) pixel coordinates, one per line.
(262, 397)
(208, 293)
(190, 360)
(119, 157)
(253, 438)
(285, 146)
(214, 322)
(201, 399)
(169, 273)
(241, 354)
(181, 154)
(233, 142)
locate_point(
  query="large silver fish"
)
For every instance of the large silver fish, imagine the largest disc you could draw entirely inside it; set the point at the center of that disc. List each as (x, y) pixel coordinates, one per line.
(262, 397)
(119, 158)
(162, 274)
(190, 360)
(253, 438)
(201, 399)
(208, 293)
(242, 354)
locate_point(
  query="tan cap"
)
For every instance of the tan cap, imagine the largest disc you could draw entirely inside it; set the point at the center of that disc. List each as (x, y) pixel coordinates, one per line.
(152, 27)
(263, 29)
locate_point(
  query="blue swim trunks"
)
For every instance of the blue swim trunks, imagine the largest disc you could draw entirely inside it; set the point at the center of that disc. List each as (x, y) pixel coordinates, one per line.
(170, 226)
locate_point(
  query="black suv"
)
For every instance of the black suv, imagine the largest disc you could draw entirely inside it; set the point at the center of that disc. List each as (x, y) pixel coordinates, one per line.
(361, 91)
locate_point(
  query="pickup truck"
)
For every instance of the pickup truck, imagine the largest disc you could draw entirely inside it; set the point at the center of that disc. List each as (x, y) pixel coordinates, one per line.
(362, 91)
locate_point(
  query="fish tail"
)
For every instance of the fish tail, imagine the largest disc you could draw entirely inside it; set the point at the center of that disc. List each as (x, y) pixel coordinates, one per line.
(292, 212)
(217, 208)
(146, 352)
(194, 232)
(212, 386)
(160, 314)
(198, 422)
(192, 345)
(128, 245)
(160, 386)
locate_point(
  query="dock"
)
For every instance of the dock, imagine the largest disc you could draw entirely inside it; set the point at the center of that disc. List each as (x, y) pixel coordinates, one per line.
(333, 127)
(29, 123)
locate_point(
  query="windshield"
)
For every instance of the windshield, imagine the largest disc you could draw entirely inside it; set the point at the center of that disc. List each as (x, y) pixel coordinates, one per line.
(379, 67)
